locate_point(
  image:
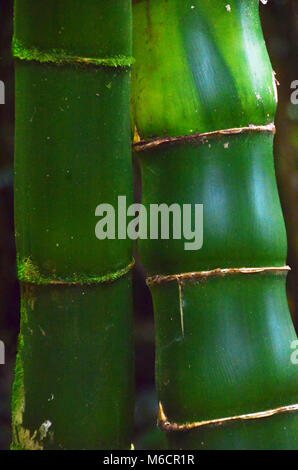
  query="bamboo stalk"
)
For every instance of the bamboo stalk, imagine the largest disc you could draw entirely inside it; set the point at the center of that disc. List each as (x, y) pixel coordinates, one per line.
(74, 374)
(223, 329)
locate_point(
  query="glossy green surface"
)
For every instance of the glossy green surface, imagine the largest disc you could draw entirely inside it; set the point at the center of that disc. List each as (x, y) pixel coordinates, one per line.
(200, 67)
(74, 375)
(224, 355)
(223, 344)
(73, 153)
(242, 226)
(78, 366)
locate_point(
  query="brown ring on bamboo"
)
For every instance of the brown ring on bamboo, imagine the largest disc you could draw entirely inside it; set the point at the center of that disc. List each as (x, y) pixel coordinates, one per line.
(159, 279)
(166, 425)
(202, 137)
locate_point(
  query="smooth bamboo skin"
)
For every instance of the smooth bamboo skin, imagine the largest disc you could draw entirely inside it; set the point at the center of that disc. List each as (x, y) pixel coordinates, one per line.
(224, 342)
(74, 374)
(77, 364)
(232, 358)
(61, 123)
(242, 225)
(205, 69)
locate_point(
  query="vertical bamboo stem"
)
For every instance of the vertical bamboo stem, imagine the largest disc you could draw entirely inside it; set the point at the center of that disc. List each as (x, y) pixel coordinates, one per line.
(74, 374)
(204, 105)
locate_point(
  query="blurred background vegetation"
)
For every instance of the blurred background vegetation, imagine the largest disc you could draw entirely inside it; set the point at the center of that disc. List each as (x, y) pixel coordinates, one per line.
(280, 23)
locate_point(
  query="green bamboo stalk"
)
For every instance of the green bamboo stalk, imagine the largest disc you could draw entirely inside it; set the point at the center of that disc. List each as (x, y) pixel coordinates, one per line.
(224, 333)
(74, 374)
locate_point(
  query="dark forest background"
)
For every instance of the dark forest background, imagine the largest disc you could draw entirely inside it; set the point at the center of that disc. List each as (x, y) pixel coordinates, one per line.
(280, 24)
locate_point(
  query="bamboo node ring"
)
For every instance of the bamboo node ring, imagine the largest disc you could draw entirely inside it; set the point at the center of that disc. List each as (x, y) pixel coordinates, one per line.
(166, 425)
(192, 276)
(201, 137)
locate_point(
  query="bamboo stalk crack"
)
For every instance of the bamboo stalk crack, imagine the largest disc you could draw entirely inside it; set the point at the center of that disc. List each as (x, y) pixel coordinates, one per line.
(160, 279)
(202, 137)
(166, 425)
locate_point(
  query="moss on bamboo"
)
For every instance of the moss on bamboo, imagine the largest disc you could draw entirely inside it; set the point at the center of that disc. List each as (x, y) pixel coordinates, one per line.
(28, 272)
(60, 57)
(22, 438)
(18, 395)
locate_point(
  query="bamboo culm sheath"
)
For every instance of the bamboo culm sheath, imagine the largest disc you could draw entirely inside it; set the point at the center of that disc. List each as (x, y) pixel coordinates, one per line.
(204, 101)
(73, 385)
